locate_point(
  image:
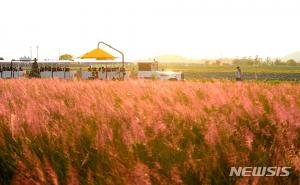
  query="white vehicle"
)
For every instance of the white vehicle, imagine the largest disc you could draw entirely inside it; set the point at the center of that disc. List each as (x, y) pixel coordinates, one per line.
(149, 70)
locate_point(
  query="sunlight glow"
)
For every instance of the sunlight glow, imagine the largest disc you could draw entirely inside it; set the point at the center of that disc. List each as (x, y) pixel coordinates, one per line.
(206, 28)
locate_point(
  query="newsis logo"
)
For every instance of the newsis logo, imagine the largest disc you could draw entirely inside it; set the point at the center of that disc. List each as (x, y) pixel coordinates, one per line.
(260, 171)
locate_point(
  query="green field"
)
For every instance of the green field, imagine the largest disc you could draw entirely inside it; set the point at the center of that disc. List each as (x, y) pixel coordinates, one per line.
(193, 71)
(228, 68)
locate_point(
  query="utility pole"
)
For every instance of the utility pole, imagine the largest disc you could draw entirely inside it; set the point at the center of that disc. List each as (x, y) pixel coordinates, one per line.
(37, 52)
(59, 54)
(30, 52)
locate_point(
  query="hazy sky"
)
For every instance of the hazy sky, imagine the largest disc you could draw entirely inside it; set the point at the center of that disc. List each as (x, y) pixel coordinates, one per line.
(193, 28)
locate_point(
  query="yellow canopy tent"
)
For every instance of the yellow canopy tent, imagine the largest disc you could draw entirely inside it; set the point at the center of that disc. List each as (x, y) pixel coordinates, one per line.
(98, 54)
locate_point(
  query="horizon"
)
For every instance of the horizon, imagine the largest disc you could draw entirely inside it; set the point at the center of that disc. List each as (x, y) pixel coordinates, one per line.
(176, 57)
(206, 29)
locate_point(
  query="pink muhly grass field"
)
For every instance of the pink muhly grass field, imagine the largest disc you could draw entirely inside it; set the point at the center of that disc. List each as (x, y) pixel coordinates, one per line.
(146, 132)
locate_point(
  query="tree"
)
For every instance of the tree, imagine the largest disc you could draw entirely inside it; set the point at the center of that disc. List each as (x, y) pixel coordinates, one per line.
(278, 62)
(217, 63)
(35, 72)
(243, 61)
(268, 61)
(257, 60)
(291, 62)
(66, 57)
(1, 58)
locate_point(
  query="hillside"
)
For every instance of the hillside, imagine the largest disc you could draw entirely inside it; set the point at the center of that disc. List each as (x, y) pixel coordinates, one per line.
(294, 55)
(172, 58)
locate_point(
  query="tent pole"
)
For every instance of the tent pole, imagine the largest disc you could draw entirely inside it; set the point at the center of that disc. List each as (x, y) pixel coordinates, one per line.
(106, 71)
(119, 73)
(65, 71)
(18, 70)
(11, 64)
(51, 71)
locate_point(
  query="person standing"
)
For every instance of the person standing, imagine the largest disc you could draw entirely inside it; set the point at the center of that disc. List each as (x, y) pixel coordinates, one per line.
(238, 74)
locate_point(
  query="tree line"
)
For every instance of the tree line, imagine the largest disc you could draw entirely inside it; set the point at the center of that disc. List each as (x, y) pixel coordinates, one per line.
(256, 61)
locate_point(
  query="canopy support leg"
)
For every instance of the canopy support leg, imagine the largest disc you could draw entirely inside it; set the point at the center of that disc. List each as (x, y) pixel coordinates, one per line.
(51, 71)
(106, 71)
(65, 71)
(11, 70)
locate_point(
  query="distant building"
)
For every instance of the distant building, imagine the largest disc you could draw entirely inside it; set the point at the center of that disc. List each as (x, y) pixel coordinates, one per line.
(24, 58)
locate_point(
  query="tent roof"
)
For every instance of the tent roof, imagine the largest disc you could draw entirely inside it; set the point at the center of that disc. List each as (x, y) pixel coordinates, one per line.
(97, 54)
(93, 61)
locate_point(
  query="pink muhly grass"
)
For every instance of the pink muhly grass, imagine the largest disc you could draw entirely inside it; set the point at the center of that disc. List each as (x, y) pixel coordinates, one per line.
(150, 113)
(140, 175)
(212, 134)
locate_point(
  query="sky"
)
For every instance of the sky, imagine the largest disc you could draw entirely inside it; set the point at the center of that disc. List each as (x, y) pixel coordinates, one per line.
(142, 29)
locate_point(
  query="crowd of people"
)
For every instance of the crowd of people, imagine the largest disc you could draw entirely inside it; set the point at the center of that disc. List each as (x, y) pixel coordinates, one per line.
(41, 69)
(103, 69)
(49, 68)
(9, 68)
